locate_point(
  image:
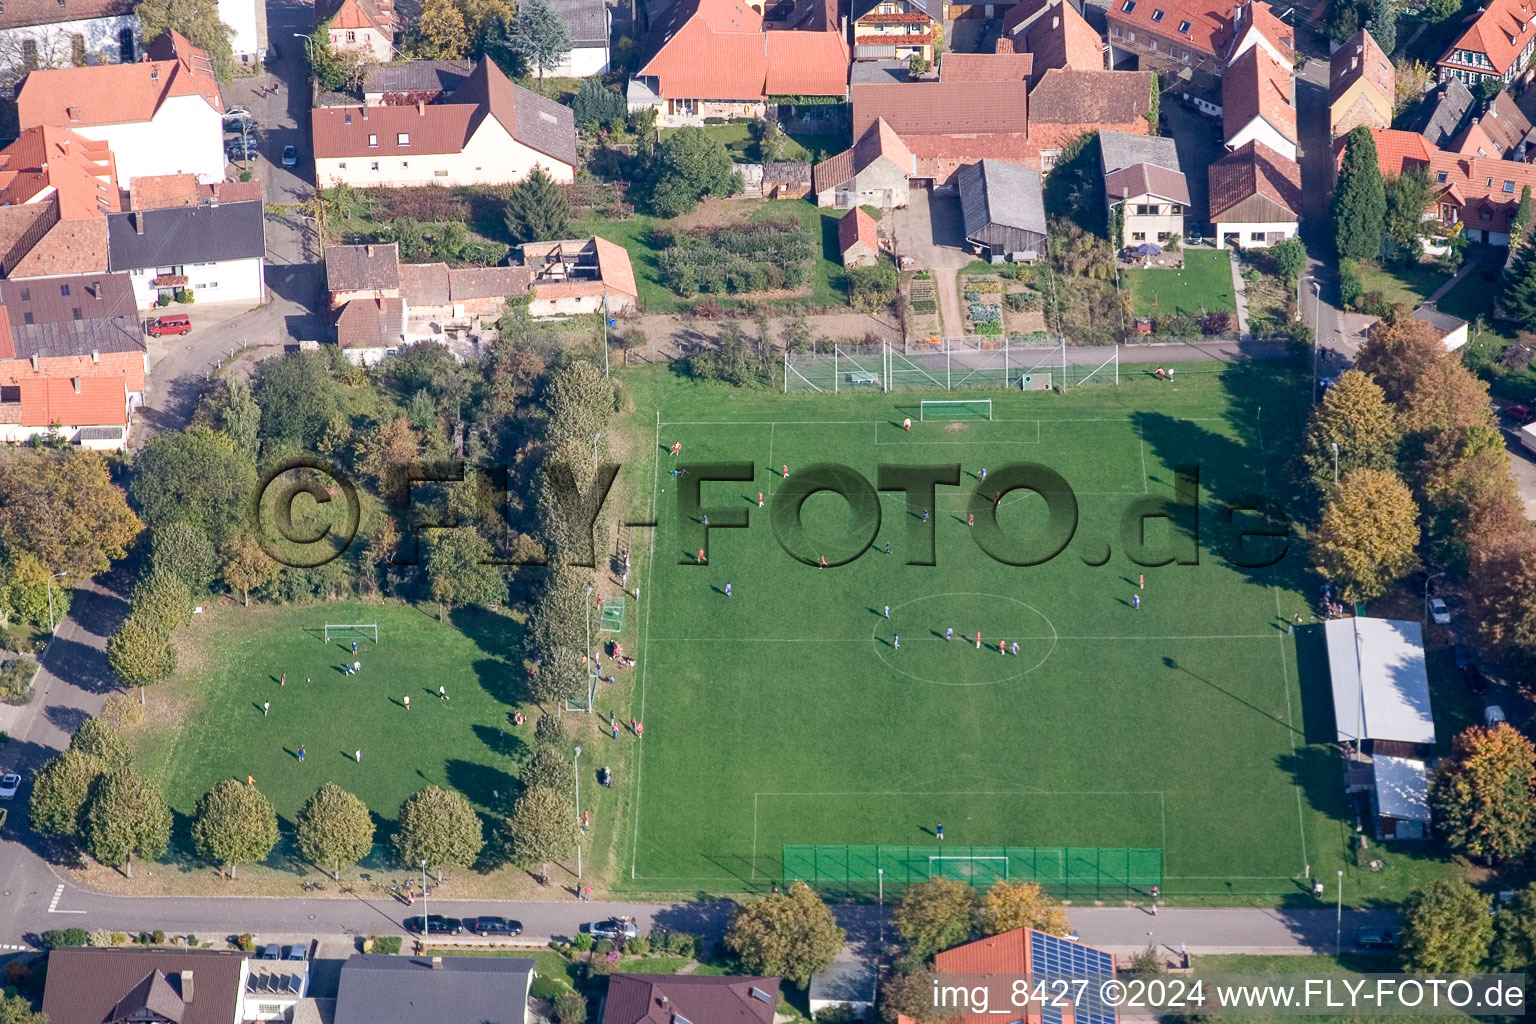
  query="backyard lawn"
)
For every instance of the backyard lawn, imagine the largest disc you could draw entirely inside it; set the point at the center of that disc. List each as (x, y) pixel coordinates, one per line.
(737, 137)
(1404, 285)
(1203, 286)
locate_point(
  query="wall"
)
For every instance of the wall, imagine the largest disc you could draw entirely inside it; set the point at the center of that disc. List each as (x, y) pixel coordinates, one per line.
(1262, 131)
(1151, 225)
(248, 19)
(1246, 230)
(365, 41)
(882, 184)
(228, 281)
(185, 137)
(572, 305)
(15, 433)
(1354, 109)
(55, 43)
(583, 63)
(492, 157)
(708, 108)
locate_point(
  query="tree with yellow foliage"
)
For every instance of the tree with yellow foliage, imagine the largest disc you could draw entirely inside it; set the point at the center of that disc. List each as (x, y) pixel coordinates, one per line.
(1010, 905)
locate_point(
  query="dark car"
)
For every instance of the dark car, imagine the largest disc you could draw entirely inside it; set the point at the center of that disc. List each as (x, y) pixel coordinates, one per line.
(271, 951)
(435, 923)
(613, 928)
(492, 925)
(1520, 414)
(1375, 938)
(297, 952)
(242, 149)
(1465, 658)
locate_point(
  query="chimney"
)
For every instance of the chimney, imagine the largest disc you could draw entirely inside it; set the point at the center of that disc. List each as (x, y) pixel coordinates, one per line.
(95, 289)
(76, 382)
(186, 986)
(369, 249)
(34, 362)
(95, 355)
(154, 73)
(437, 963)
(138, 222)
(1055, 21)
(421, 108)
(64, 146)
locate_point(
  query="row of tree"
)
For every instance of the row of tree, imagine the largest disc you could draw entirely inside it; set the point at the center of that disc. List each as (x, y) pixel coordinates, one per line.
(1448, 927)
(1373, 214)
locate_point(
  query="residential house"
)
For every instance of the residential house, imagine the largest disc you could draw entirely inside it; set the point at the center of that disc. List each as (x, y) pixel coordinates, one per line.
(786, 179)
(1255, 197)
(161, 192)
(1502, 131)
(1474, 194)
(1257, 104)
(1450, 330)
(1444, 113)
(590, 23)
(896, 29)
(273, 989)
(1003, 211)
(368, 331)
(36, 34)
(1055, 35)
(858, 241)
(413, 82)
(365, 27)
(1065, 105)
(491, 132)
(56, 188)
(1025, 951)
(668, 998)
(1497, 43)
(875, 171)
(1361, 86)
(248, 19)
(587, 275)
(72, 359)
(362, 272)
(1002, 66)
(849, 983)
(163, 115)
(138, 986)
(215, 252)
(37, 240)
(717, 58)
(945, 125)
(1142, 177)
(1192, 41)
(434, 990)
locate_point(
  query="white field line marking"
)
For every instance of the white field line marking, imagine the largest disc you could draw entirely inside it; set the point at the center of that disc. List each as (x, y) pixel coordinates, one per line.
(53, 907)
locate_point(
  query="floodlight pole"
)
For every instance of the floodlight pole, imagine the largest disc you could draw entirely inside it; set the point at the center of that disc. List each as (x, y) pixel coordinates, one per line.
(51, 624)
(591, 667)
(426, 922)
(1338, 931)
(576, 762)
(1427, 582)
(1317, 330)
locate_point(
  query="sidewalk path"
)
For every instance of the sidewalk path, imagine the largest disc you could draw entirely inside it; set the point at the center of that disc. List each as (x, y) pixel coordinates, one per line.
(1466, 268)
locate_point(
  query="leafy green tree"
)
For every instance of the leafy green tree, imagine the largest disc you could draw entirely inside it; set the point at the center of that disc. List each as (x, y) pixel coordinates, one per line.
(335, 70)
(233, 825)
(1439, 10)
(162, 600)
(183, 551)
(200, 475)
(597, 106)
(537, 209)
(141, 652)
(789, 934)
(246, 565)
(1398, 354)
(1503, 584)
(1408, 195)
(59, 792)
(538, 36)
(440, 827)
(1514, 933)
(1351, 284)
(1447, 928)
(1520, 288)
(689, 165)
(299, 396)
(27, 592)
(1343, 19)
(1520, 223)
(571, 1007)
(1290, 258)
(1384, 24)
(126, 816)
(1010, 905)
(1368, 535)
(580, 402)
(1359, 199)
(909, 995)
(334, 828)
(770, 139)
(15, 1009)
(550, 767)
(541, 827)
(440, 32)
(62, 507)
(935, 915)
(198, 20)
(1482, 795)
(460, 570)
(96, 738)
(1354, 418)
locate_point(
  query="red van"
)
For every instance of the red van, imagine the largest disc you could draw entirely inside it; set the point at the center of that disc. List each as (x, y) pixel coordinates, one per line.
(175, 323)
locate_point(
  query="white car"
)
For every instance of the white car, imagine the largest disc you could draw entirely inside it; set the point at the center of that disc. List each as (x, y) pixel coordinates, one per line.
(1438, 612)
(1493, 715)
(10, 782)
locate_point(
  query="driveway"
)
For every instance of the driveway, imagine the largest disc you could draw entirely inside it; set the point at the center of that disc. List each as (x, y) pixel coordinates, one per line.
(1197, 138)
(929, 229)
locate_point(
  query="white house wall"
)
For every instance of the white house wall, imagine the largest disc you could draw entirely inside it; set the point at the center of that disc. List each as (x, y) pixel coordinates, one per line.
(1261, 131)
(186, 136)
(55, 43)
(248, 19)
(226, 281)
(1246, 231)
(1253, 37)
(367, 41)
(491, 157)
(583, 62)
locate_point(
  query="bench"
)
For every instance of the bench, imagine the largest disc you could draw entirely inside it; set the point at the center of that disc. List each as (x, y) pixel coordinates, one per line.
(863, 377)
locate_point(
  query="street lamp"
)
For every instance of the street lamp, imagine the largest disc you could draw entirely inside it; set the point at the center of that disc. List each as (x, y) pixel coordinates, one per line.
(1317, 330)
(309, 46)
(1335, 462)
(1427, 582)
(1338, 931)
(576, 763)
(426, 922)
(51, 625)
(594, 446)
(591, 661)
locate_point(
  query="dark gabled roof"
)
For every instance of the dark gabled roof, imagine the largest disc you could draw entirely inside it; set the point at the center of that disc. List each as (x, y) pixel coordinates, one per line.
(928, 7)
(377, 989)
(417, 76)
(362, 268)
(585, 20)
(995, 192)
(1444, 113)
(1445, 323)
(25, 13)
(698, 999)
(187, 234)
(99, 314)
(99, 986)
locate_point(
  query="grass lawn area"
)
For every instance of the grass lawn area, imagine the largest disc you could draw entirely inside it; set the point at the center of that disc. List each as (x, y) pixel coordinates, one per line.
(636, 235)
(789, 703)
(242, 654)
(1404, 285)
(737, 139)
(1203, 285)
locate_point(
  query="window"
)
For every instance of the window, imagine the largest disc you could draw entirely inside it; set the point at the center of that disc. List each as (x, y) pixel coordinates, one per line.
(1146, 210)
(1176, 210)
(405, 163)
(342, 166)
(26, 295)
(126, 46)
(1157, 15)
(403, 138)
(1186, 56)
(76, 312)
(1152, 43)
(1117, 32)
(347, 118)
(1440, 177)
(26, 318)
(1130, 37)
(64, 290)
(1128, 6)
(269, 1009)
(1487, 216)
(77, 49)
(1482, 152)
(10, 393)
(351, 37)
(1162, 236)
(1509, 186)
(440, 174)
(1183, 26)
(1255, 236)
(1138, 236)
(373, 142)
(207, 285)
(373, 166)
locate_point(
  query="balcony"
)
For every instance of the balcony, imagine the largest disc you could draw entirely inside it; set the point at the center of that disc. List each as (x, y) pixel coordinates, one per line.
(170, 281)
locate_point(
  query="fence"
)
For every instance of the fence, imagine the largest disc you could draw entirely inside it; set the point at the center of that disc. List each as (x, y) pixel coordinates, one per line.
(950, 364)
(1065, 872)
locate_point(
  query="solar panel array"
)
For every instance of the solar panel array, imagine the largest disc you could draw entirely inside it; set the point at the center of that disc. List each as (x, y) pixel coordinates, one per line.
(1050, 955)
(264, 982)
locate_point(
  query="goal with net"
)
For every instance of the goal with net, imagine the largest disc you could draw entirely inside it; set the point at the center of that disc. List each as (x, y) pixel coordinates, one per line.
(968, 868)
(954, 409)
(352, 631)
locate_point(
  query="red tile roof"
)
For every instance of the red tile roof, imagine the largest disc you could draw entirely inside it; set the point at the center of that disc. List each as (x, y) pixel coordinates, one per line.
(163, 191)
(1255, 14)
(27, 13)
(1255, 86)
(1504, 125)
(1006, 954)
(82, 172)
(877, 141)
(1255, 170)
(1146, 179)
(1361, 57)
(98, 402)
(1470, 185)
(69, 247)
(940, 156)
(118, 93)
(361, 14)
(1502, 30)
(371, 323)
(857, 226)
(1209, 30)
(718, 49)
(1092, 100)
(985, 67)
(934, 108)
(614, 265)
(1055, 34)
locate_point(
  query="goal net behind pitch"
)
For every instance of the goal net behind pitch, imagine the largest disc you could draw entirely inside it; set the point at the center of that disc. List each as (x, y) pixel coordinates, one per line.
(1065, 872)
(954, 409)
(950, 364)
(352, 631)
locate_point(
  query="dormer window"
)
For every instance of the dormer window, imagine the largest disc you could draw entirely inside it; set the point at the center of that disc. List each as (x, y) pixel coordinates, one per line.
(1128, 6)
(1183, 26)
(1441, 177)
(373, 141)
(1509, 187)
(403, 138)
(347, 118)
(1157, 15)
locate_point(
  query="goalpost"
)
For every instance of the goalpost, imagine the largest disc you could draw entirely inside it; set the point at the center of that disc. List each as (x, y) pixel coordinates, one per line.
(963, 867)
(954, 409)
(370, 630)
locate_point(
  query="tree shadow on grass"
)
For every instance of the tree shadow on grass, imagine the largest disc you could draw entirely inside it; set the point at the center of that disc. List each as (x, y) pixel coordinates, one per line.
(486, 787)
(502, 741)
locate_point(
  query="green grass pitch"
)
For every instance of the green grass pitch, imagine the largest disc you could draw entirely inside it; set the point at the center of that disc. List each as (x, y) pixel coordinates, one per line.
(784, 714)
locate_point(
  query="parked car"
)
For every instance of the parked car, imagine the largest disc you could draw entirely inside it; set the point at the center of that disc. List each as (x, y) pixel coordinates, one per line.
(1493, 715)
(1464, 655)
(1475, 680)
(492, 925)
(171, 323)
(435, 923)
(242, 149)
(298, 952)
(290, 156)
(1439, 614)
(271, 951)
(1375, 938)
(10, 782)
(613, 928)
(1520, 414)
(238, 114)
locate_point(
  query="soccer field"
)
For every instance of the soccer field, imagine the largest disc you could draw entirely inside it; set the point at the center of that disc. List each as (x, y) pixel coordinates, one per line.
(784, 713)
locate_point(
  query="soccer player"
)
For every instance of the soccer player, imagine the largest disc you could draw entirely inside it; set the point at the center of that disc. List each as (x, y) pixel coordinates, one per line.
(442, 693)
(1002, 647)
(266, 706)
(925, 515)
(978, 639)
(970, 519)
(938, 830)
(906, 424)
(983, 474)
(677, 447)
(701, 556)
(704, 518)
(1015, 648)
(1141, 581)
(407, 702)
(727, 590)
(896, 641)
(887, 611)
(823, 561)
(759, 499)
(1136, 601)
(949, 635)
(786, 471)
